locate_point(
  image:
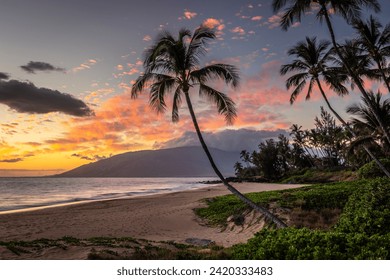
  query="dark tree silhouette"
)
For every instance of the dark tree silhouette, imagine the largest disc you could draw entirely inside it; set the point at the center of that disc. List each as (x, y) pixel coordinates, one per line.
(310, 65)
(350, 10)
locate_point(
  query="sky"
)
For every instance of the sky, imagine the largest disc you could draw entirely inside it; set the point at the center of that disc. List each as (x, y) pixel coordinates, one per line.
(67, 67)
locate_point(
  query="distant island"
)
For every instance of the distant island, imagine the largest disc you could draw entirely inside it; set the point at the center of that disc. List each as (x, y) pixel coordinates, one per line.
(173, 162)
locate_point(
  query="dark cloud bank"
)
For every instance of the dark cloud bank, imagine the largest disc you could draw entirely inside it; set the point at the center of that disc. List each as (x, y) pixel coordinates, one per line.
(34, 66)
(25, 97)
(4, 76)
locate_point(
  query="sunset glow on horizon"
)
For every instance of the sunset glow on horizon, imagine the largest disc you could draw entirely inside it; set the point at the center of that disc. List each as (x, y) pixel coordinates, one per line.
(92, 51)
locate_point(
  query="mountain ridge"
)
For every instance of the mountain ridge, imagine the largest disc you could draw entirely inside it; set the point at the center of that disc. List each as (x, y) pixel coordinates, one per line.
(171, 162)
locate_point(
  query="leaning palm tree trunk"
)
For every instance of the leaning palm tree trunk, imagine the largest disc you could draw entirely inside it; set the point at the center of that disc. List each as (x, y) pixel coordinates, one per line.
(380, 165)
(267, 214)
(350, 72)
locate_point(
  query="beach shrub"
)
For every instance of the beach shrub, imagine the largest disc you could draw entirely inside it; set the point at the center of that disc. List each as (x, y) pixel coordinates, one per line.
(363, 231)
(305, 244)
(368, 209)
(371, 169)
(314, 197)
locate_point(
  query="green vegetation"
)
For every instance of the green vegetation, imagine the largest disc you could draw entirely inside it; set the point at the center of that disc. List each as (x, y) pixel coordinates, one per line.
(371, 170)
(362, 231)
(315, 197)
(305, 244)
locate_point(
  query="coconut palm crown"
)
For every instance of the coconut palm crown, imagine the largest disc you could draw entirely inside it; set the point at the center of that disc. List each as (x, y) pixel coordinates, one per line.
(348, 9)
(375, 41)
(172, 66)
(311, 63)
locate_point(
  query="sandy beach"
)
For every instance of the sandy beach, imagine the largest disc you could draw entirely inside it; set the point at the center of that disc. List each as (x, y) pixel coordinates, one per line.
(163, 217)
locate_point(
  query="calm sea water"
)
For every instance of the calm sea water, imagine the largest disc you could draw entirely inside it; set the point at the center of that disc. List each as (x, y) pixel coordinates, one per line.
(24, 193)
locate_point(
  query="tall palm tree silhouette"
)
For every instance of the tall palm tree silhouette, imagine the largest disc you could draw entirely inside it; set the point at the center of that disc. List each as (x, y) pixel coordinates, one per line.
(311, 64)
(376, 43)
(172, 65)
(365, 122)
(348, 9)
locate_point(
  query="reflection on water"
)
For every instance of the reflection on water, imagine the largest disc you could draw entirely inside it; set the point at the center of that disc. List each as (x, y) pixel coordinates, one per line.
(21, 193)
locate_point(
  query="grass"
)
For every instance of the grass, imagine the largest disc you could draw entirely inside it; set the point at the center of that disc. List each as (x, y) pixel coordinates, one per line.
(316, 197)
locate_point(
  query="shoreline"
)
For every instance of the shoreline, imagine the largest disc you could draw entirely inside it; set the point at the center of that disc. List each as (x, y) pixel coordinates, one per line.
(158, 217)
(75, 202)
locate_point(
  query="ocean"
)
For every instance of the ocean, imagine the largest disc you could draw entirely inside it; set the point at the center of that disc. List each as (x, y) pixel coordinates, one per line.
(27, 193)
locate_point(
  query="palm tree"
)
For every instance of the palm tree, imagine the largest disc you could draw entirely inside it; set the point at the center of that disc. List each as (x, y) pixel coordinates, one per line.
(312, 63)
(357, 61)
(365, 122)
(375, 42)
(300, 138)
(348, 9)
(172, 65)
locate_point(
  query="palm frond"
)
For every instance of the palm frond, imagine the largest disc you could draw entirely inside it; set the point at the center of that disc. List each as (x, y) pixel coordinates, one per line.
(164, 42)
(197, 46)
(140, 83)
(296, 79)
(225, 104)
(359, 142)
(293, 13)
(228, 73)
(277, 5)
(176, 104)
(158, 91)
(296, 65)
(297, 91)
(310, 88)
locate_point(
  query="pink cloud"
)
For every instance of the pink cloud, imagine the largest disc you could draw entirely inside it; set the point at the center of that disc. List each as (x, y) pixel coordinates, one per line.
(212, 23)
(296, 24)
(257, 18)
(274, 21)
(85, 65)
(239, 30)
(189, 15)
(147, 38)
(215, 24)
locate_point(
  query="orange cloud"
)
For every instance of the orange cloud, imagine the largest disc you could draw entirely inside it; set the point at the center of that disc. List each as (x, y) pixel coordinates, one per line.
(274, 21)
(85, 65)
(147, 38)
(239, 30)
(189, 15)
(256, 18)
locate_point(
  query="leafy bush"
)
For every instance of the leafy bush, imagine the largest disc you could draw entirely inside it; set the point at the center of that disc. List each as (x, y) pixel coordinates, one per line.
(368, 209)
(304, 244)
(309, 198)
(363, 231)
(371, 169)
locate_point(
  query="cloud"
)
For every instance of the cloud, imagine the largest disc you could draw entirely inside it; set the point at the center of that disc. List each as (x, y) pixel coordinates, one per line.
(92, 157)
(25, 97)
(34, 66)
(4, 76)
(239, 30)
(11, 160)
(212, 23)
(256, 18)
(274, 21)
(215, 24)
(228, 140)
(147, 38)
(188, 15)
(85, 65)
